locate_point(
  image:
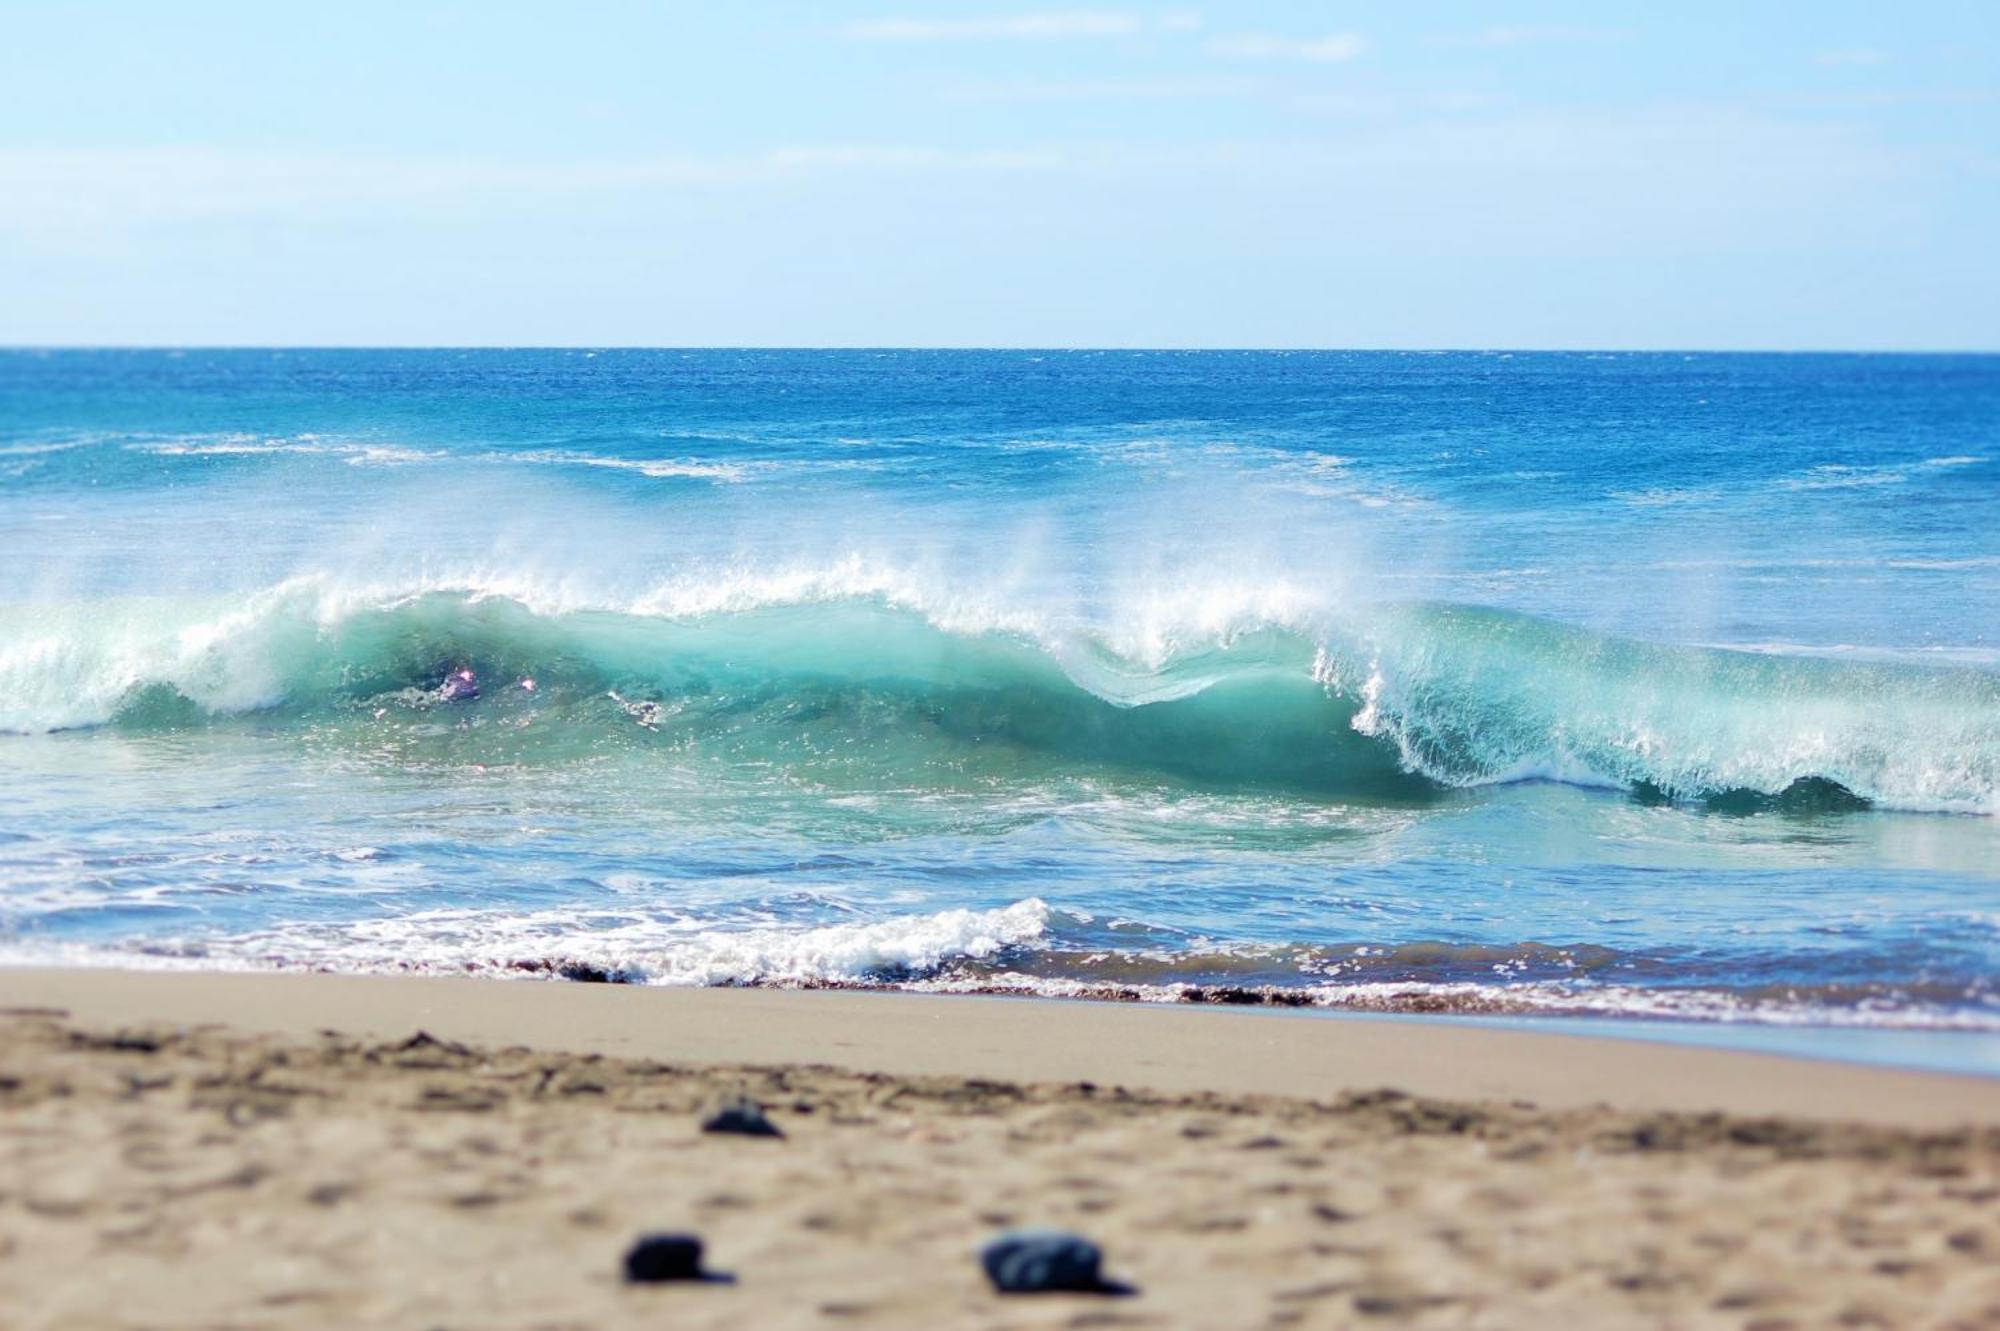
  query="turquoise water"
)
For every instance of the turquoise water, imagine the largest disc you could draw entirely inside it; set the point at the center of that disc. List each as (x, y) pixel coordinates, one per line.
(1626, 686)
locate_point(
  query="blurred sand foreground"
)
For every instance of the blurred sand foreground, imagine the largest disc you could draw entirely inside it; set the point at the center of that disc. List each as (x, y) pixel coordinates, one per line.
(202, 1150)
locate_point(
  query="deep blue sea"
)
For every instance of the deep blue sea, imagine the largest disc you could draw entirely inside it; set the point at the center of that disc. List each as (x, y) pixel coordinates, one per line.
(1595, 686)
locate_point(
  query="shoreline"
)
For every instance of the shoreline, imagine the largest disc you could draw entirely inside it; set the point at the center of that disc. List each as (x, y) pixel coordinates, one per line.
(1160, 1049)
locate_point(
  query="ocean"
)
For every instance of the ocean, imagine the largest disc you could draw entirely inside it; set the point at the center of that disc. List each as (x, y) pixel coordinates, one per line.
(1602, 688)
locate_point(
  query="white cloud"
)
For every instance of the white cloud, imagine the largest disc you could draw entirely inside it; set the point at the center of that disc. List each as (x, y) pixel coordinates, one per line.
(1330, 49)
(1075, 23)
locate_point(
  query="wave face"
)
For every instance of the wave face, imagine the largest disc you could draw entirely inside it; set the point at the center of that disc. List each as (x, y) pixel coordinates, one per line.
(1469, 696)
(1397, 702)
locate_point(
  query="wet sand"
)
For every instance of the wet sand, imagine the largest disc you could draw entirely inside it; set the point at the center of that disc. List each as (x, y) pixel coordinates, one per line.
(258, 1150)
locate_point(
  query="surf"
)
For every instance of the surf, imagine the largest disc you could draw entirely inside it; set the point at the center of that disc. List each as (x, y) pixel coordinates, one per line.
(1389, 702)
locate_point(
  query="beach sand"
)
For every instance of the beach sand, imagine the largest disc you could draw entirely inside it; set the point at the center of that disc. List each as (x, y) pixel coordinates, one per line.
(276, 1150)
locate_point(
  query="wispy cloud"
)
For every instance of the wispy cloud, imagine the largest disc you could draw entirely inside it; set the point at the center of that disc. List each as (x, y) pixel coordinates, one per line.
(1669, 178)
(1887, 97)
(1851, 58)
(1072, 23)
(1105, 89)
(1329, 49)
(45, 190)
(1503, 36)
(1380, 105)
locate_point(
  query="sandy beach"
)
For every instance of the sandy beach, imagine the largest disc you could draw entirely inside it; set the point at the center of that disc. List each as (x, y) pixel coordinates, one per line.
(978, 664)
(261, 1150)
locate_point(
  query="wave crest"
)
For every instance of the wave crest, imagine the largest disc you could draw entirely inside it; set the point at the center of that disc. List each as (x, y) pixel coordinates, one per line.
(1386, 701)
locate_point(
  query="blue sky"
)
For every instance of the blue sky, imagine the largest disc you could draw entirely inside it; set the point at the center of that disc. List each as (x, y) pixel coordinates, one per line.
(1746, 174)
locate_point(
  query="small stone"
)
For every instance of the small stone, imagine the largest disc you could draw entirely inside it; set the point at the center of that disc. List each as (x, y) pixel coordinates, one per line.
(744, 1117)
(661, 1257)
(1039, 1261)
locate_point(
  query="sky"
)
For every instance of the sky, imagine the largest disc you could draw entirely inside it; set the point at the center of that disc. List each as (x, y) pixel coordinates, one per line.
(1750, 174)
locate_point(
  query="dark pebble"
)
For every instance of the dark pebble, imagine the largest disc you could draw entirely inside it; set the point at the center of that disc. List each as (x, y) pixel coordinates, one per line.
(658, 1257)
(745, 1118)
(1038, 1261)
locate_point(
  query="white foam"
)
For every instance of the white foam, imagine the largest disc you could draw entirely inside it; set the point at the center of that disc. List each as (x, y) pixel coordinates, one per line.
(630, 946)
(1529, 998)
(659, 468)
(919, 953)
(354, 453)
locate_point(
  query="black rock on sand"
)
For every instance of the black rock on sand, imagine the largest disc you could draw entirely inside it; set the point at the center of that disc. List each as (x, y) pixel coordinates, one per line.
(1046, 1261)
(659, 1258)
(742, 1116)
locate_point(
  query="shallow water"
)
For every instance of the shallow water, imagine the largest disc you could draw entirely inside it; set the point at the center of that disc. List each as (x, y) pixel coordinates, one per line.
(1643, 686)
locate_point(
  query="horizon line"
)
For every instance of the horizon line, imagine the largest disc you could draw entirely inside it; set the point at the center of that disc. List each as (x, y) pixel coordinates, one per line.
(31, 348)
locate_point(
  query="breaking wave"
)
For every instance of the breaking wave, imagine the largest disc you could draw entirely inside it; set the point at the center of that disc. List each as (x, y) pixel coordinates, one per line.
(1392, 701)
